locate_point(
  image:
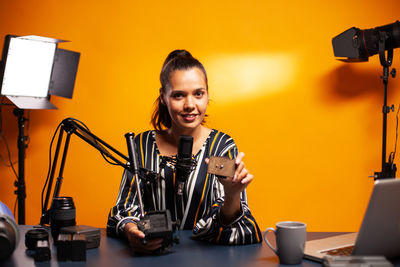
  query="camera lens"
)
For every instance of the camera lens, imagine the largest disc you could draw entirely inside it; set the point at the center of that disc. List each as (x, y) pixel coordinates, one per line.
(9, 232)
(7, 239)
(34, 235)
(62, 214)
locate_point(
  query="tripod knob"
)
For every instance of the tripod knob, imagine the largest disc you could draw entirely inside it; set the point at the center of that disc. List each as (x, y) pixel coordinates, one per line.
(393, 72)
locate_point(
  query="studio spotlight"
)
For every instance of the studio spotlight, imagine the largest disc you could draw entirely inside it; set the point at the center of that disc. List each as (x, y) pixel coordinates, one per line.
(355, 45)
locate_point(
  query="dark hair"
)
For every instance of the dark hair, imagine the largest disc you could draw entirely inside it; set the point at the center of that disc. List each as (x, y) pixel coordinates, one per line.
(176, 60)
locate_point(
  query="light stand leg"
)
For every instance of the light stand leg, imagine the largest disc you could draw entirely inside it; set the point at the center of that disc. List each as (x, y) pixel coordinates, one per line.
(20, 184)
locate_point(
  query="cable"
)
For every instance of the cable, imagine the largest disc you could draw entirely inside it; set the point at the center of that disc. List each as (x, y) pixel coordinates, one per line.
(48, 172)
(95, 141)
(11, 163)
(397, 134)
(15, 207)
(9, 155)
(8, 152)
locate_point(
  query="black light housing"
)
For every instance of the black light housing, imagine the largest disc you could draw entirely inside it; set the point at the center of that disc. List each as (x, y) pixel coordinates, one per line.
(355, 45)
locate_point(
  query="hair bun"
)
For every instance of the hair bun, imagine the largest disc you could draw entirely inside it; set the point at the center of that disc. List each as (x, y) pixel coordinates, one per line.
(175, 54)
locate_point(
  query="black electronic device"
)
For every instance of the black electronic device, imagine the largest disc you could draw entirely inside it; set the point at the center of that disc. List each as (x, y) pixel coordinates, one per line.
(78, 247)
(157, 224)
(63, 247)
(42, 251)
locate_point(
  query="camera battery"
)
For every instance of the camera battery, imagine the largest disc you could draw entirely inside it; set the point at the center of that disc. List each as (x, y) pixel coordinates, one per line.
(71, 247)
(63, 247)
(92, 234)
(42, 251)
(78, 247)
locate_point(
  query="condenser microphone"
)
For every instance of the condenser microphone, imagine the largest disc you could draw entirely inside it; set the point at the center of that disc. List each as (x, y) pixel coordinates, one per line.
(184, 162)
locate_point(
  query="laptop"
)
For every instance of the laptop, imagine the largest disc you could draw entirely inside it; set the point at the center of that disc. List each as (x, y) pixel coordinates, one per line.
(379, 233)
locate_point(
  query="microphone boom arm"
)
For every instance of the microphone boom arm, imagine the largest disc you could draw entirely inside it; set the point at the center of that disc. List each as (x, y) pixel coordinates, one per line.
(70, 126)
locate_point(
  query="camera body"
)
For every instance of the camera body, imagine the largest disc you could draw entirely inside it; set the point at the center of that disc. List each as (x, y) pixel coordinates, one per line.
(157, 224)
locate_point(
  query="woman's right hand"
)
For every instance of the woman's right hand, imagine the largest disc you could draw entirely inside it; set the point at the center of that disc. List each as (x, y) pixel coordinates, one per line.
(135, 238)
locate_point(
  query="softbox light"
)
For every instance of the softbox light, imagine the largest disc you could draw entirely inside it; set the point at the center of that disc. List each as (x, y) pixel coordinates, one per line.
(33, 68)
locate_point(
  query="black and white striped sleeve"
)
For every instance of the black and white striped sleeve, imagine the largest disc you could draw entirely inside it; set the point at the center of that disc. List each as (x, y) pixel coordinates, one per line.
(126, 207)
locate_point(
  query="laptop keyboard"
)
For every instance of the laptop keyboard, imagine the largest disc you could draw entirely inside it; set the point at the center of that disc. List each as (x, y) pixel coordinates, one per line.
(344, 251)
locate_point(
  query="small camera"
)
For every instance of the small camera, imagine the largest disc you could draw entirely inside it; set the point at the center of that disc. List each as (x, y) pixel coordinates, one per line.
(157, 224)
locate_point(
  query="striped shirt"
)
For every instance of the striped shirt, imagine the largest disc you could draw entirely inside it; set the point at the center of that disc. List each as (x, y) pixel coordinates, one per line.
(203, 196)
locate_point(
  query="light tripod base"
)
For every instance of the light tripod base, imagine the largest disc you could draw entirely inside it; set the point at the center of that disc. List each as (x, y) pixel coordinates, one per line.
(388, 172)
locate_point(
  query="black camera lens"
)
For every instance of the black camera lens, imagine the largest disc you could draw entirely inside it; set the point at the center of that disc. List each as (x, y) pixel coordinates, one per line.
(35, 235)
(7, 239)
(62, 214)
(9, 232)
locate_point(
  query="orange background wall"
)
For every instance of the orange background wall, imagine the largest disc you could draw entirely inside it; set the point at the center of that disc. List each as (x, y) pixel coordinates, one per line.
(310, 125)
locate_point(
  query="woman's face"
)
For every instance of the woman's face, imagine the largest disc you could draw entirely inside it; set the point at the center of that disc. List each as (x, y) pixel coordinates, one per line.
(187, 98)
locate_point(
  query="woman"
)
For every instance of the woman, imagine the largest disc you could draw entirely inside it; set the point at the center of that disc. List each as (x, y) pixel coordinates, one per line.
(215, 209)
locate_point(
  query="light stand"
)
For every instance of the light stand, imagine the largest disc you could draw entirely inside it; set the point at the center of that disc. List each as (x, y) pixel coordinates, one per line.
(357, 45)
(388, 168)
(20, 184)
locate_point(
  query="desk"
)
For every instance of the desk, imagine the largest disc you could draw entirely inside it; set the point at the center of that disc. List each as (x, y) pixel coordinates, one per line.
(115, 252)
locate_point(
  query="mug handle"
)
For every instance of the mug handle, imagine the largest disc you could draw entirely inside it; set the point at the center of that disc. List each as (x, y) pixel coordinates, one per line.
(266, 239)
